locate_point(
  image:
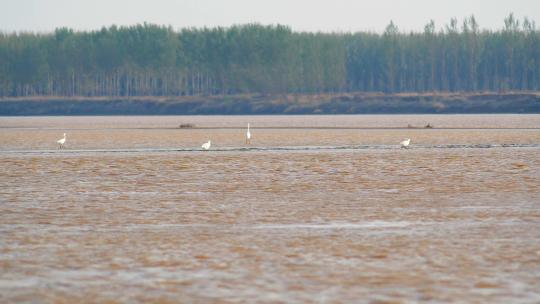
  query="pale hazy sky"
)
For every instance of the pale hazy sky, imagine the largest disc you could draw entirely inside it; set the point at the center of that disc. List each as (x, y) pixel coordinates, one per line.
(301, 15)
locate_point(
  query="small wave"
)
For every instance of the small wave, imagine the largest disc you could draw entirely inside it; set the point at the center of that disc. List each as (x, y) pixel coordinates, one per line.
(285, 148)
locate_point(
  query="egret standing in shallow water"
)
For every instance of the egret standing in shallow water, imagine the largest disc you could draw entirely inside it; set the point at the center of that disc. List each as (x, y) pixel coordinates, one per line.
(405, 143)
(248, 136)
(206, 146)
(61, 142)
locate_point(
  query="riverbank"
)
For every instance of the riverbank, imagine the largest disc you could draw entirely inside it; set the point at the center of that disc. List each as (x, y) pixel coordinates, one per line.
(337, 103)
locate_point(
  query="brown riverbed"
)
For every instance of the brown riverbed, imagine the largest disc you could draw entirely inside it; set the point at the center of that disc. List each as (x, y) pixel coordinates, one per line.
(454, 218)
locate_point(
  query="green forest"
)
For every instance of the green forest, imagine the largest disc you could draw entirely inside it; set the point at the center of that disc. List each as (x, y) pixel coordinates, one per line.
(152, 60)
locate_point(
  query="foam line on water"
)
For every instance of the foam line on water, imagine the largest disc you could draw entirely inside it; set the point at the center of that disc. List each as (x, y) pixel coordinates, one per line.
(268, 226)
(332, 226)
(285, 148)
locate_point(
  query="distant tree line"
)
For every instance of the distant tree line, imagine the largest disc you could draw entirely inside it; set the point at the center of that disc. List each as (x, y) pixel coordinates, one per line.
(151, 60)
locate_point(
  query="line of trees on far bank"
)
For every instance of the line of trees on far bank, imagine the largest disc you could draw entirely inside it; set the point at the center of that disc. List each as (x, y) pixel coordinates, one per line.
(152, 60)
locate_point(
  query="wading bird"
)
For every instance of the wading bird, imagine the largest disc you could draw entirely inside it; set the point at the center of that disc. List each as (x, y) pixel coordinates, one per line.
(405, 143)
(206, 145)
(248, 136)
(61, 142)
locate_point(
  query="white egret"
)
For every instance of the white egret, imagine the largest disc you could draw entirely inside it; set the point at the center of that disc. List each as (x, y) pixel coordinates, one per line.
(405, 143)
(206, 146)
(248, 136)
(61, 142)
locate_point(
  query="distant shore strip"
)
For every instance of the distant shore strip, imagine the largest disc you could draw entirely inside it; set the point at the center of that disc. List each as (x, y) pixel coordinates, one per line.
(519, 102)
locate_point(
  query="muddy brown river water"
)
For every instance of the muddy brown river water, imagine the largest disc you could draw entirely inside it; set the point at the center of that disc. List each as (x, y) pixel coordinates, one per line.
(317, 209)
